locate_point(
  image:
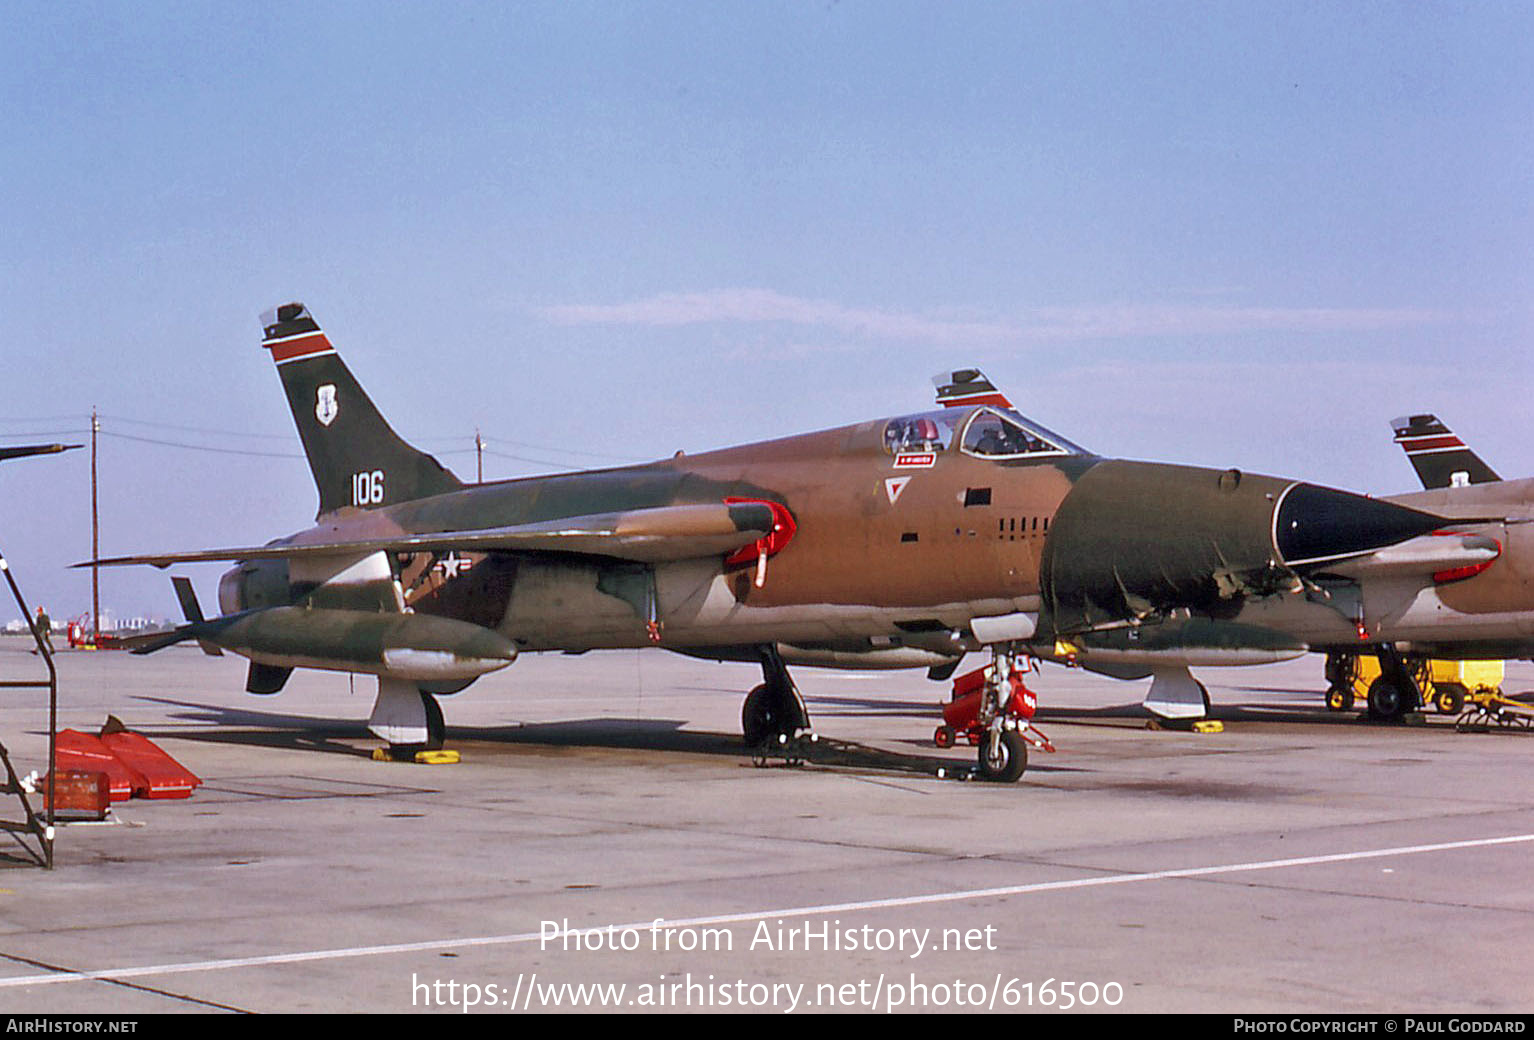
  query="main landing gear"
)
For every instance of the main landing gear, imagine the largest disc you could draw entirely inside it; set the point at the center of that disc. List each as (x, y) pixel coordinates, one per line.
(1396, 692)
(774, 712)
(409, 718)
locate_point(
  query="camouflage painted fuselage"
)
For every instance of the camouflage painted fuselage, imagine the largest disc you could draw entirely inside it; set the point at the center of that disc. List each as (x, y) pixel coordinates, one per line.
(898, 542)
(891, 563)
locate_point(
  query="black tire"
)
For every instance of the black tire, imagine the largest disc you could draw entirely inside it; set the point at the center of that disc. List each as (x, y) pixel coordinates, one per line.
(758, 722)
(944, 737)
(436, 729)
(1449, 698)
(1011, 758)
(1387, 702)
(1340, 698)
(1341, 669)
(764, 716)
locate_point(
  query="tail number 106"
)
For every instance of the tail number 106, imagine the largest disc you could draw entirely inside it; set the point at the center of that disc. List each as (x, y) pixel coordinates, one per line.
(368, 488)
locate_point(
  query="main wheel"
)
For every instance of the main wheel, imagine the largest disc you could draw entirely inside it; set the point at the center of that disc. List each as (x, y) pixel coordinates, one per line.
(436, 729)
(1008, 761)
(1387, 701)
(758, 719)
(1340, 698)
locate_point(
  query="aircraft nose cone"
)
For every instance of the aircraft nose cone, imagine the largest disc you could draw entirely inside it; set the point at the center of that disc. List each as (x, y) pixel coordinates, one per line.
(1315, 524)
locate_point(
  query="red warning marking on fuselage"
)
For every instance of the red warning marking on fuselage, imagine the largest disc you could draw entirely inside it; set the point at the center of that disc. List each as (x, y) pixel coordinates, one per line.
(916, 460)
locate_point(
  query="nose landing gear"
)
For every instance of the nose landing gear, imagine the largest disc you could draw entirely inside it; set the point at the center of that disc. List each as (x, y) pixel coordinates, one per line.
(992, 708)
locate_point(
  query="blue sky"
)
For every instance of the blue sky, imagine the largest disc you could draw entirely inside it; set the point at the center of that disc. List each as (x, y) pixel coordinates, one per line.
(1225, 234)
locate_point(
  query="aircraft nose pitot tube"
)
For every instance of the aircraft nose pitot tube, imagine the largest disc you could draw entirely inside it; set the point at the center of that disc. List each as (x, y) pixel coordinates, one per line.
(1136, 539)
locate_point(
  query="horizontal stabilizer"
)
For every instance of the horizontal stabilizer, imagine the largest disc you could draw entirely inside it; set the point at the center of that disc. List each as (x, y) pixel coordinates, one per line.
(643, 535)
(148, 644)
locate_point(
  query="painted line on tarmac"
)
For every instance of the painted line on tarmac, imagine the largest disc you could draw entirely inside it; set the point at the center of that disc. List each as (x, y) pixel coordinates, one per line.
(754, 915)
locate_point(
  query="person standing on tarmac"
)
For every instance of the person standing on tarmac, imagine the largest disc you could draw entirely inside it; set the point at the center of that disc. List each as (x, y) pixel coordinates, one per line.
(44, 629)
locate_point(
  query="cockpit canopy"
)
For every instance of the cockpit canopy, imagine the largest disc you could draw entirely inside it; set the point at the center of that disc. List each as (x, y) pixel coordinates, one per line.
(928, 432)
(987, 433)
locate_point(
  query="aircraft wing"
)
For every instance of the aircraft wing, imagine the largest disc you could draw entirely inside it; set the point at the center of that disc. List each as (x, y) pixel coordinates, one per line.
(663, 533)
(24, 450)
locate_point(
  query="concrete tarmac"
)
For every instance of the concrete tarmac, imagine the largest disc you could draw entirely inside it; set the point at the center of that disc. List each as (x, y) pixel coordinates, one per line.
(1300, 861)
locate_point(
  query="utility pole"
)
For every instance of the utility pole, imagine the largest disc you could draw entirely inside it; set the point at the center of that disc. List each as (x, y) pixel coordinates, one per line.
(479, 454)
(95, 539)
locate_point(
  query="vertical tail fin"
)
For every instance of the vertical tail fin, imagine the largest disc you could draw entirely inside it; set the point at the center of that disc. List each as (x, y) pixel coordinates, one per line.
(966, 387)
(1439, 457)
(356, 458)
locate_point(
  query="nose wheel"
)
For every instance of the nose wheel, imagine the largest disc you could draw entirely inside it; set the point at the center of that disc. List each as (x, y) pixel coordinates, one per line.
(1003, 756)
(992, 708)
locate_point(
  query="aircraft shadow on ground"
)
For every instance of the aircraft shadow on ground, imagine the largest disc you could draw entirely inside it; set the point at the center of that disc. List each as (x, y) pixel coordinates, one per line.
(257, 728)
(250, 728)
(283, 730)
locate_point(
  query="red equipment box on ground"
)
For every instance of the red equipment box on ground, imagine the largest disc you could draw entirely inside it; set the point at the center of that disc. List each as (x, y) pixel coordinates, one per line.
(81, 794)
(84, 752)
(164, 776)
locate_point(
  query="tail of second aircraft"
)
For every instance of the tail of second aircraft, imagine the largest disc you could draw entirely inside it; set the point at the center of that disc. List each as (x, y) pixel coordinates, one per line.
(356, 458)
(966, 387)
(1440, 458)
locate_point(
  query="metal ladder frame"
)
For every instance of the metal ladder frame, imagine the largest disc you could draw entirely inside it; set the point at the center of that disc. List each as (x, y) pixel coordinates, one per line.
(39, 827)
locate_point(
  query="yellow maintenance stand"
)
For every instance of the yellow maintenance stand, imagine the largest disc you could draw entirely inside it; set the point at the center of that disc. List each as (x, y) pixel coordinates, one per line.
(1445, 685)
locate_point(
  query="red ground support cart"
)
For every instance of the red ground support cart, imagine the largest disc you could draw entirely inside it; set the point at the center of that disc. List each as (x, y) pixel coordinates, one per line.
(992, 708)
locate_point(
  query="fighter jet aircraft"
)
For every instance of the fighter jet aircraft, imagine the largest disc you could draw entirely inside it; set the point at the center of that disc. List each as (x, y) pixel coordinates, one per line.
(892, 543)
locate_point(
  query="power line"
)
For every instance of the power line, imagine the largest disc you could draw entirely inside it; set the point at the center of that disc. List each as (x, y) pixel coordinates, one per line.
(480, 443)
(203, 447)
(199, 429)
(40, 418)
(48, 433)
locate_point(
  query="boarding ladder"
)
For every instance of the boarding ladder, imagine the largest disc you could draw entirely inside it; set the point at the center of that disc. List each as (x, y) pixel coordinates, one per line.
(34, 831)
